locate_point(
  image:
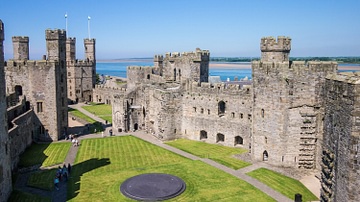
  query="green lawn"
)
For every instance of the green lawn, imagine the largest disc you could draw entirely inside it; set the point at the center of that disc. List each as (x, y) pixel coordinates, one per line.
(102, 164)
(95, 126)
(103, 111)
(42, 179)
(283, 184)
(218, 153)
(17, 195)
(45, 154)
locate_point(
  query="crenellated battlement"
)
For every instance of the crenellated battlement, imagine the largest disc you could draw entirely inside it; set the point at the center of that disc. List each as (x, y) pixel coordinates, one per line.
(158, 58)
(270, 44)
(295, 66)
(139, 68)
(345, 77)
(201, 55)
(221, 88)
(101, 87)
(56, 34)
(28, 63)
(89, 41)
(20, 39)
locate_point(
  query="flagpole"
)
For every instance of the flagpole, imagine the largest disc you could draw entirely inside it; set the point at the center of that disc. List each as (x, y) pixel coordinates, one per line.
(66, 23)
(89, 26)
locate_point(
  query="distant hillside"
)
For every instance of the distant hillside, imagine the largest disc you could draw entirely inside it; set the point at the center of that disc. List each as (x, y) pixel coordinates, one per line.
(354, 60)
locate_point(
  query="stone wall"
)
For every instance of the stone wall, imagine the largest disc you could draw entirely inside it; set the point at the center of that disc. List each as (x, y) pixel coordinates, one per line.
(21, 131)
(44, 85)
(218, 114)
(341, 160)
(5, 161)
(288, 111)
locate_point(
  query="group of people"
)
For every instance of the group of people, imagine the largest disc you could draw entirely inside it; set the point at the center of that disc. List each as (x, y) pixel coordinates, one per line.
(62, 174)
(74, 140)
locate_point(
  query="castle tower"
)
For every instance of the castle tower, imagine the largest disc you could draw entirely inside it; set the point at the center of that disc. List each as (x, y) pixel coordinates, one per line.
(56, 44)
(70, 49)
(21, 47)
(5, 165)
(90, 49)
(287, 106)
(275, 51)
(158, 64)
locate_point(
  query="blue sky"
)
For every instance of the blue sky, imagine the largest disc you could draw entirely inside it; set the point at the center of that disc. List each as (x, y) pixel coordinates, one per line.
(142, 28)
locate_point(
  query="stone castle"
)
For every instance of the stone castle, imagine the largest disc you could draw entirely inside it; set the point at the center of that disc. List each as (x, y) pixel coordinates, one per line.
(294, 114)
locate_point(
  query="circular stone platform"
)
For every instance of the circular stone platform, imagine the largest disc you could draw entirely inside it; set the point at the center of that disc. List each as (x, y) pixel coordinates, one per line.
(152, 187)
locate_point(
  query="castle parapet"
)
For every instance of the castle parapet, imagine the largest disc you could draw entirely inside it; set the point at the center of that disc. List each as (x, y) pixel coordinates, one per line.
(295, 66)
(23, 39)
(57, 34)
(28, 63)
(198, 55)
(221, 88)
(270, 44)
(158, 58)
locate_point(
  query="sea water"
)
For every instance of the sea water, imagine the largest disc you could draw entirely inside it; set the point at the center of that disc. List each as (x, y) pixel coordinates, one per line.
(118, 68)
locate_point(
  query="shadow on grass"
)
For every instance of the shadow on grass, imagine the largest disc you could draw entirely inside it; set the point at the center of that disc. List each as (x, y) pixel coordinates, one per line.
(78, 170)
(37, 150)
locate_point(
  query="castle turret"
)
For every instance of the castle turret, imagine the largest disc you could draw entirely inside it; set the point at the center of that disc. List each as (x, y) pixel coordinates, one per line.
(158, 64)
(56, 44)
(71, 49)
(21, 47)
(90, 49)
(275, 51)
(5, 169)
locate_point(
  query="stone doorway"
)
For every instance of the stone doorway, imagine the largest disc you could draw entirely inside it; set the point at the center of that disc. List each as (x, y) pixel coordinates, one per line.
(238, 141)
(203, 135)
(136, 126)
(220, 138)
(265, 156)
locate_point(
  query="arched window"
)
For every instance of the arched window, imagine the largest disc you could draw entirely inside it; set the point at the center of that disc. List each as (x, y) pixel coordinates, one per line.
(238, 141)
(203, 135)
(221, 108)
(220, 137)
(148, 76)
(262, 113)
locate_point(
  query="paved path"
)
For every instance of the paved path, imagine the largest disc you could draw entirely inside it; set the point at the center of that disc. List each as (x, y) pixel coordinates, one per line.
(60, 195)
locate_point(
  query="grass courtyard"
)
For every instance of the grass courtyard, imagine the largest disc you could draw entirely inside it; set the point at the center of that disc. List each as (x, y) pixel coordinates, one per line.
(218, 153)
(103, 164)
(103, 111)
(283, 184)
(46, 154)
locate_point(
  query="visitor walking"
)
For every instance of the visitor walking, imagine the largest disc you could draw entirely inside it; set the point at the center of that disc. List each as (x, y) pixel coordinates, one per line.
(69, 168)
(56, 183)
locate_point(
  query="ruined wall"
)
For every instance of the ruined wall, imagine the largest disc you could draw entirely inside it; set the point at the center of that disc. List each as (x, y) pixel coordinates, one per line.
(340, 160)
(288, 111)
(105, 95)
(210, 112)
(188, 65)
(5, 163)
(43, 94)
